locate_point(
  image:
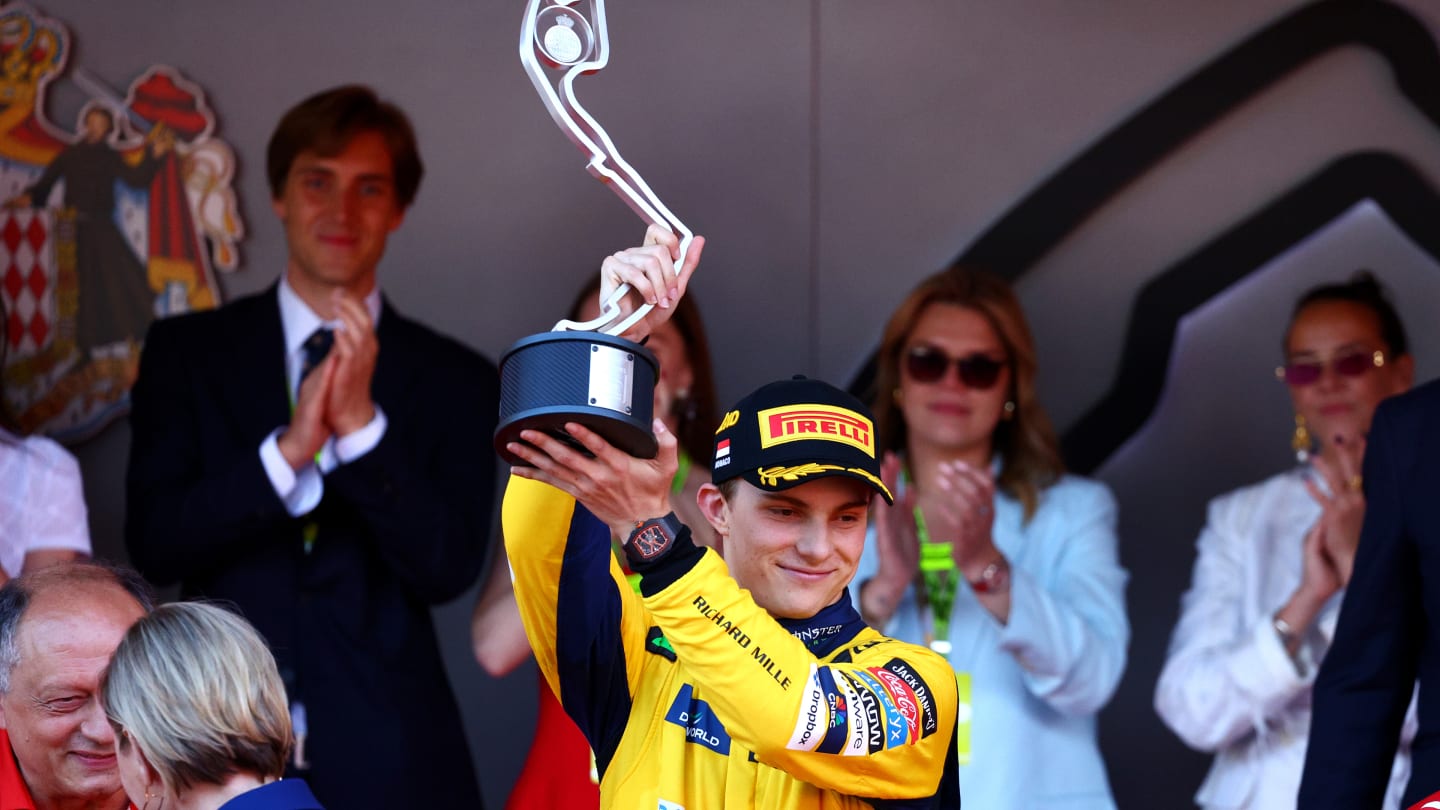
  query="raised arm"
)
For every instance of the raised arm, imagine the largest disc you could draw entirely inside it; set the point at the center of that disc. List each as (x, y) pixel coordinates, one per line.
(745, 658)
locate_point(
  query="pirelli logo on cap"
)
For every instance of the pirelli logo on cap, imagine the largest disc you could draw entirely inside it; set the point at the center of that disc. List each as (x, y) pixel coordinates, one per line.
(794, 423)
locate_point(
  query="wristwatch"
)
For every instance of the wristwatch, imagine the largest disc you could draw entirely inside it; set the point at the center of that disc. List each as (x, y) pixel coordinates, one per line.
(994, 579)
(653, 537)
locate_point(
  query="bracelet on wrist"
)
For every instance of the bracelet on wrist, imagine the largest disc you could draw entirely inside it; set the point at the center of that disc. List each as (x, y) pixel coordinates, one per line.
(1287, 634)
(1289, 642)
(993, 578)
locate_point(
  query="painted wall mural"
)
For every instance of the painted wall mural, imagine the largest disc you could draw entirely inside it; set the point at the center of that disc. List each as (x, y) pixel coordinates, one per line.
(104, 229)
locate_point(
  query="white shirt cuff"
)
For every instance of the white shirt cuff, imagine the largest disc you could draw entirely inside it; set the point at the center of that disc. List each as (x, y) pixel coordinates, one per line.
(345, 449)
(300, 490)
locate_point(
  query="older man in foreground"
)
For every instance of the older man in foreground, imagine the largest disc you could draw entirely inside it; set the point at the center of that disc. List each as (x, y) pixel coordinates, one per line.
(58, 629)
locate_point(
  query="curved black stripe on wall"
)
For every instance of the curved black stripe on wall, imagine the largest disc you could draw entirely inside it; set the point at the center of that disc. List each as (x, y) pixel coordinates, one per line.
(1045, 217)
(1393, 184)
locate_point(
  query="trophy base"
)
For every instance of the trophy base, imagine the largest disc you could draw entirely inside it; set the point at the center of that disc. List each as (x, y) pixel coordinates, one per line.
(600, 381)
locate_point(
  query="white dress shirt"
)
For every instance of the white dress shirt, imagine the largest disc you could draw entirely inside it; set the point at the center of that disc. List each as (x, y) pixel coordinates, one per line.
(1228, 685)
(42, 502)
(302, 489)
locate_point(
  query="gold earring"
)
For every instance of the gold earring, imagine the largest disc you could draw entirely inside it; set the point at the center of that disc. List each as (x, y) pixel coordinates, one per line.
(898, 396)
(1300, 440)
(1009, 410)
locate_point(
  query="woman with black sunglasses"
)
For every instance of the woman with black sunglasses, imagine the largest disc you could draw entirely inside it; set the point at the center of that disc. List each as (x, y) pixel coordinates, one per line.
(991, 554)
(1274, 557)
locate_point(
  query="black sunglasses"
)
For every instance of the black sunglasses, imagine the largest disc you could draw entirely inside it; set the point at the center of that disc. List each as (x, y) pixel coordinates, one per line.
(927, 364)
(1300, 373)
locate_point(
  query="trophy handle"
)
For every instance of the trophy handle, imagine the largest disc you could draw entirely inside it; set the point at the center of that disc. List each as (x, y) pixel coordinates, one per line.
(560, 34)
(609, 312)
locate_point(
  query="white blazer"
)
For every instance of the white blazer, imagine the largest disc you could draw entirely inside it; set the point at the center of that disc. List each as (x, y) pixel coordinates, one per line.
(1228, 685)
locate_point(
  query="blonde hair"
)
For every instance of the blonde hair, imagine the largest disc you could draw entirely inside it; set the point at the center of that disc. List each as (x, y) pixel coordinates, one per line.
(1029, 451)
(196, 688)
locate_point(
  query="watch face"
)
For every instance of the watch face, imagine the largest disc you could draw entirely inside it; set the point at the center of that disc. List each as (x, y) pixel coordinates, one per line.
(651, 540)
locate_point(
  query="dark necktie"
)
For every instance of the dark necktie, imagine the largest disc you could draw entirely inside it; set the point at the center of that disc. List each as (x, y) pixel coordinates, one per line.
(315, 348)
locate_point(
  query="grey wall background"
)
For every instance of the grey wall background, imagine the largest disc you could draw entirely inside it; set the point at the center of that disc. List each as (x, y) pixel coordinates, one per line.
(834, 152)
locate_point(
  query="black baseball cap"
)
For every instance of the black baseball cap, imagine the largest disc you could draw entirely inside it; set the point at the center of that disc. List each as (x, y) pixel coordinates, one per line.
(793, 431)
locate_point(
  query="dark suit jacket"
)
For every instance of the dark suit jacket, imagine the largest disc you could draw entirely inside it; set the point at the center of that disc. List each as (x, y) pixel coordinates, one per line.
(1387, 633)
(401, 528)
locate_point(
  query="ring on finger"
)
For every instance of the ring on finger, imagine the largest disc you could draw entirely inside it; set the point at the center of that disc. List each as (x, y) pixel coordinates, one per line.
(1356, 482)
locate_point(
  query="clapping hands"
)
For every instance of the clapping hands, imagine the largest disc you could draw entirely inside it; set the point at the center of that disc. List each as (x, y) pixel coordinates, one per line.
(334, 399)
(1342, 507)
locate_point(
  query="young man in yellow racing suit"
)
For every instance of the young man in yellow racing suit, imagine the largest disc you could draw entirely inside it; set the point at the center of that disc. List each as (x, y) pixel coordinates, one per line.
(744, 682)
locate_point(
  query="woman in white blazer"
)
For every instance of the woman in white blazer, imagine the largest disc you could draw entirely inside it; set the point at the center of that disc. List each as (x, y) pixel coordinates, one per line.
(1274, 557)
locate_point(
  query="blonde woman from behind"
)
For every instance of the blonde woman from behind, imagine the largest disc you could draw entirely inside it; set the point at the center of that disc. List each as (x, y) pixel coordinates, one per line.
(200, 715)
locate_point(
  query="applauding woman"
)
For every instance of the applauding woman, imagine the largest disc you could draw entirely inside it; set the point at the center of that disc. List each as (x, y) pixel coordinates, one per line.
(991, 554)
(1274, 556)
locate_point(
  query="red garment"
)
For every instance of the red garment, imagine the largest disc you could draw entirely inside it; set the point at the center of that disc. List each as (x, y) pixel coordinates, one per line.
(557, 772)
(14, 795)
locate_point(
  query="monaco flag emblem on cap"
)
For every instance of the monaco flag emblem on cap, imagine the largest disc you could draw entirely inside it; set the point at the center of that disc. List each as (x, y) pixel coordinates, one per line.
(722, 448)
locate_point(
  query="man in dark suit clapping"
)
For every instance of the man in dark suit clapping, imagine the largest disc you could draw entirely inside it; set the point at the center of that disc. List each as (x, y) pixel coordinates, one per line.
(324, 463)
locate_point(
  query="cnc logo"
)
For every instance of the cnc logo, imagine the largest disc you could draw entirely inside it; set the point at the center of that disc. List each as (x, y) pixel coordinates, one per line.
(839, 727)
(838, 710)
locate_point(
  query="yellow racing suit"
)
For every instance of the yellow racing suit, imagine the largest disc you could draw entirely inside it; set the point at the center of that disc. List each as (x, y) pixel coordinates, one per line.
(693, 697)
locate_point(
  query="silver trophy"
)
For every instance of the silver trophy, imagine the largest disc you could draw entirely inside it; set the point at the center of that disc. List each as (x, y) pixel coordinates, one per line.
(583, 372)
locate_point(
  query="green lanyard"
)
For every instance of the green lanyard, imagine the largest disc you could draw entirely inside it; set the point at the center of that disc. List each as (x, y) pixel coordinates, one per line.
(311, 529)
(682, 473)
(938, 575)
